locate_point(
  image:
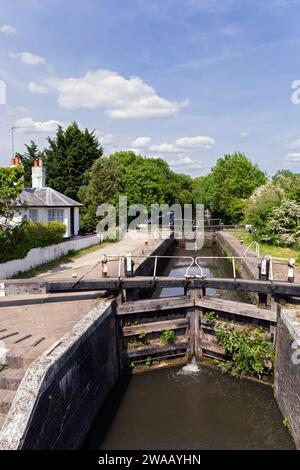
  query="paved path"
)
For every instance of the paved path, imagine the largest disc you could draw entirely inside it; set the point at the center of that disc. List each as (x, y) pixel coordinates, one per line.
(138, 244)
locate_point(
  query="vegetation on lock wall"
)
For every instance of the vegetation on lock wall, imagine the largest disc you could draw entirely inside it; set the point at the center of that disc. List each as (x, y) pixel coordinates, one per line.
(250, 350)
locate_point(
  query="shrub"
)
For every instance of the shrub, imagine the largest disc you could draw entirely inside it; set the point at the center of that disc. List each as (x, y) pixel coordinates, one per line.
(250, 351)
(20, 239)
(283, 225)
(168, 337)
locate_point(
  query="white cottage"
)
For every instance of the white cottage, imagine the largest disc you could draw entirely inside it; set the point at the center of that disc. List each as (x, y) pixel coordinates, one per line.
(44, 204)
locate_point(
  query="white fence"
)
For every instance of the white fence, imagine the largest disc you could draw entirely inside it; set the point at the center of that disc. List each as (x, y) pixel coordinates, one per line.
(38, 256)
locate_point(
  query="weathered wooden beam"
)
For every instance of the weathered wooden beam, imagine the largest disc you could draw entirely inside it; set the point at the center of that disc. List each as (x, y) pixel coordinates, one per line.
(150, 351)
(155, 326)
(154, 305)
(145, 282)
(236, 308)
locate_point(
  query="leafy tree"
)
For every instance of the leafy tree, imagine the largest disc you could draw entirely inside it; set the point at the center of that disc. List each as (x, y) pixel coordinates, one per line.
(32, 153)
(229, 183)
(143, 180)
(284, 186)
(101, 185)
(261, 202)
(69, 155)
(182, 188)
(11, 185)
(283, 225)
(199, 186)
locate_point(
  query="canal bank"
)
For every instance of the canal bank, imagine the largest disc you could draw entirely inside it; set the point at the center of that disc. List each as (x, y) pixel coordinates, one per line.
(65, 386)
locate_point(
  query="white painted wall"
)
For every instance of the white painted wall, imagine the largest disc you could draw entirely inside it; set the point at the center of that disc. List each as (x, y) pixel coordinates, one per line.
(43, 217)
(38, 256)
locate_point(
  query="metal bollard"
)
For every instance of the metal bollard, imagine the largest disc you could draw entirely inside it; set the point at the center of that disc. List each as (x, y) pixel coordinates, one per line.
(104, 263)
(263, 275)
(291, 270)
(128, 265)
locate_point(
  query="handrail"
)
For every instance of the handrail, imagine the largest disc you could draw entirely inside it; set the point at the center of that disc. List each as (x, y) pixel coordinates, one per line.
(256, 248)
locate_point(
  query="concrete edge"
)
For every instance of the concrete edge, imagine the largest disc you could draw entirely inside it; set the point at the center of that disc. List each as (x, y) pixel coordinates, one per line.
(40, 373)
(292, 321)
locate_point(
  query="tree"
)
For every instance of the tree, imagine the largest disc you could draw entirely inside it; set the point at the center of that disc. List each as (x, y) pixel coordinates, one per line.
(70, 154)
(143, 180)
(283, 224)
(230, 182)
(11, 185)
(101, 185)
(199, 185)
(261, 202)
(32, 153)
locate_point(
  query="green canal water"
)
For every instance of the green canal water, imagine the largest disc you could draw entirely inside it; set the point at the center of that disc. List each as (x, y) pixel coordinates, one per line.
(186, 408)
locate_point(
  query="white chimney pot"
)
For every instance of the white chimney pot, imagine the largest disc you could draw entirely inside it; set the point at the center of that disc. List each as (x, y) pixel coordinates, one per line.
(38, 176)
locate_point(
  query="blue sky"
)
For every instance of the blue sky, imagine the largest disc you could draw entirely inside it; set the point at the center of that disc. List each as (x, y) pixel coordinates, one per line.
(187, 80)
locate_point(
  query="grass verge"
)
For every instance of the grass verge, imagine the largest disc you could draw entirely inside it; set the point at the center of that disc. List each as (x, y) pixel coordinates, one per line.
(266, 249)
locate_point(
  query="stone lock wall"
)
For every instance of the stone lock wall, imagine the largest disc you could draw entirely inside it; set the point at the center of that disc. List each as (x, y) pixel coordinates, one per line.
(287, 370)
(64, 389)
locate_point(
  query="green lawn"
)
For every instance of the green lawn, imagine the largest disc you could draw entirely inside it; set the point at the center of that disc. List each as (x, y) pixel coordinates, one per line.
(266, 249)
(71, 256)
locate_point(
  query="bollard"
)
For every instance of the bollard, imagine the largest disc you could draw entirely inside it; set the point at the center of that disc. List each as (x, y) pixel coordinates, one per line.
(291, 270)
(128, 265)
(104, 266)
(263, 275)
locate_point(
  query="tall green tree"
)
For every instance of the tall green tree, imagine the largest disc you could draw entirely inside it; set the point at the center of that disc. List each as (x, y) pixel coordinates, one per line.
(11, 185)
(143, 180)
(70, 154)
(229, 184)
(32, 153)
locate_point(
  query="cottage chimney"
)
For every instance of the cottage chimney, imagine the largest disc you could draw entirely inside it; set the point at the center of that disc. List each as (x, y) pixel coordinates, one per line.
(38, 174)
(16, 161)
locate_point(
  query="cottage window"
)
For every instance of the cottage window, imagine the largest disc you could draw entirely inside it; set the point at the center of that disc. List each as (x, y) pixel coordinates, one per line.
(33, 215)
(56, 215)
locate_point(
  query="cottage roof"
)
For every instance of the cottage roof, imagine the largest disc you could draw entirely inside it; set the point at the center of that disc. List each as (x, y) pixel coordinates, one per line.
(45, 197)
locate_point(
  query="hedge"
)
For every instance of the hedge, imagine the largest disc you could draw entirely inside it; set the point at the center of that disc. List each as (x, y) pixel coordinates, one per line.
(22, 238)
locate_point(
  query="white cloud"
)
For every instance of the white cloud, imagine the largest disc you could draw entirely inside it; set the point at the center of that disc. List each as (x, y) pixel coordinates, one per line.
(190, 144)
(105, 139)
(292, 159)
(141, 142)
(185, 162)
(28, 58)
(164, 148)
(121, 98)
(295, 144)
(38, 89)
(27, 124)
(244, 134)
(7, 29)
(197, 142)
